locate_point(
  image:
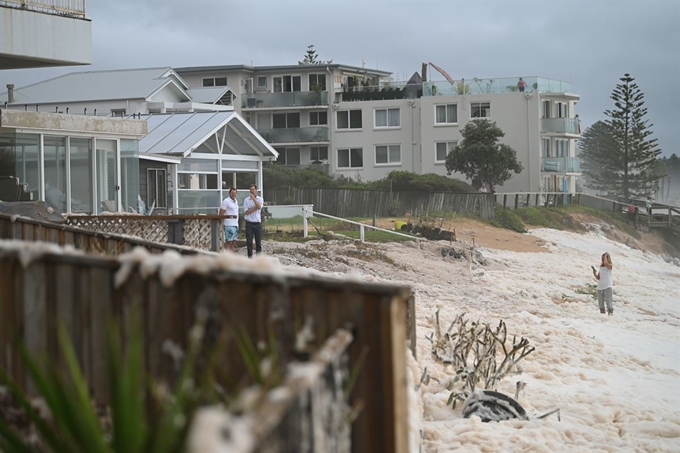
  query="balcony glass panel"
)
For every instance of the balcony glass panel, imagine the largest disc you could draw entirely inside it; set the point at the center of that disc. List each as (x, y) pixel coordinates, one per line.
(295, 135)
(561, 164)
(560, 125)
(500, 85)
(293, 99)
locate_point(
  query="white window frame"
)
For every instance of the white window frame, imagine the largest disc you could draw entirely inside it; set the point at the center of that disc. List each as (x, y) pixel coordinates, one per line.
(480, 106)
(318, 150)
(287, 115)
(324, 87)
(349, 154)
(448, 150)
(387, 111)
(283, 88)
(545, 147)
(214, 81)
(258, 82)
(389, 154)
(546, 109)
(561, 109)
(447, 122)
(561, 147)
(317, 118)
(283, 155)
(349, 117)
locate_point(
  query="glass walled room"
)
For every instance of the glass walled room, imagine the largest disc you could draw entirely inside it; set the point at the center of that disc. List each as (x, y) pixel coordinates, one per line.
(77, 174)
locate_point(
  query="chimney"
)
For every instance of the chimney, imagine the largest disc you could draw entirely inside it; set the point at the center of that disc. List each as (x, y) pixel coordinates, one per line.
(10, 93)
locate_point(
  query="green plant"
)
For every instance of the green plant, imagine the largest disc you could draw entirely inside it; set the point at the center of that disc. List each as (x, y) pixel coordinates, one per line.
(74, 425)
(473, 352)
(462, 87)
(506, 218)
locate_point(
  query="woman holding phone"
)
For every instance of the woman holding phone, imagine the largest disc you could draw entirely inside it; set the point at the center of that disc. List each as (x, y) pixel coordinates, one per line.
(604, 284)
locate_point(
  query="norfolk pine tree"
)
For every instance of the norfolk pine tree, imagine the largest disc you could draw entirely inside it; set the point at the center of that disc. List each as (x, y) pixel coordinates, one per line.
(480, 157)
(623, 163)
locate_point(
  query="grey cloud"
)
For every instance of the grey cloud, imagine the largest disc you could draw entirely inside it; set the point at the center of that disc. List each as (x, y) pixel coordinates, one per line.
(588, 42)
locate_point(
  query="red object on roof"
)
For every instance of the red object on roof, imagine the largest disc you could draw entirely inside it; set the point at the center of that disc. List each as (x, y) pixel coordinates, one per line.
(442, 72)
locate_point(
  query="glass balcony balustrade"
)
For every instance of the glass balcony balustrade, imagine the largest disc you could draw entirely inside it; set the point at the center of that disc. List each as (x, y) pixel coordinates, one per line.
(560, 164)
(500, 85)
(288, 99)
(560, 126)
(311, 134)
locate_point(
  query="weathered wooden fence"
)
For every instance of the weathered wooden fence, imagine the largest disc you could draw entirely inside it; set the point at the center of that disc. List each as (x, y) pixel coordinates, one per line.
(40, 287)
(348, 203)
(515, 200)
(90, 241)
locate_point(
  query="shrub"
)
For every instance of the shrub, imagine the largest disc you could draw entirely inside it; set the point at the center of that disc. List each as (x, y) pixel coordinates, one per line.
(506, 218)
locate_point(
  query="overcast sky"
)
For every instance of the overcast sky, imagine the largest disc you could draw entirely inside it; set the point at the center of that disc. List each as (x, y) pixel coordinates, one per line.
(590, 43)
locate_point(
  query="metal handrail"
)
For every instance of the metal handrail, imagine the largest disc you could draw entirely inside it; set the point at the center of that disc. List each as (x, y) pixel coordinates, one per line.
(362, 226)
(58, 7)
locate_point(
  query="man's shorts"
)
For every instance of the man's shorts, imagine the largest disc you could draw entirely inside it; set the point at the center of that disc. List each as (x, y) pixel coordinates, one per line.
(230, 233)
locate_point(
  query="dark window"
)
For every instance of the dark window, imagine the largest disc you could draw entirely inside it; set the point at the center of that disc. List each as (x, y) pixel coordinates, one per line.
(318, 118)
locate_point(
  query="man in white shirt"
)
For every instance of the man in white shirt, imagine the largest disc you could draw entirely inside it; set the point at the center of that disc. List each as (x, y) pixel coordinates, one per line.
(251, 214)
(229, 209)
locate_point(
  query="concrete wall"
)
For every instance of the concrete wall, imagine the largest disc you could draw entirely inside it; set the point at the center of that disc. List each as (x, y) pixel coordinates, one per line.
(32, 121)
(31, 39)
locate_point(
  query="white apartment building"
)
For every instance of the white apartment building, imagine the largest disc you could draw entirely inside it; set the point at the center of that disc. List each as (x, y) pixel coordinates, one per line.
(357, 123)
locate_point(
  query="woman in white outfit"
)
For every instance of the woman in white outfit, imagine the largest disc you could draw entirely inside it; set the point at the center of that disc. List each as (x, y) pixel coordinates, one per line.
(604, 284)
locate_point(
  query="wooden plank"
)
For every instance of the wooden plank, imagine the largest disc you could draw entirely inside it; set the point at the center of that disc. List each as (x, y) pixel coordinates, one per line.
(34, 313)
(101, 283)
(394, 382)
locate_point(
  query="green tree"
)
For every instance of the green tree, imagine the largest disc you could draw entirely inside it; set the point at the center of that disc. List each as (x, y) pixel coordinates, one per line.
(597, 145)
(480, 157)
(625, 162)
(310, 55)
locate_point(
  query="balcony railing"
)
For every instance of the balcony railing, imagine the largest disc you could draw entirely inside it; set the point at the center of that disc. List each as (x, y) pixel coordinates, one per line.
(310, 134)
(502, 85)
(58, 7)
(561, 164)
(289, 99)
(560, 125)
(380, 93)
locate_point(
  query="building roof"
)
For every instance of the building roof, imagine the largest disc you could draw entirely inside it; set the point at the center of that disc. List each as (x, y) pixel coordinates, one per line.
(294, 67)
(180, 134)
(97, 86)
(207, 95)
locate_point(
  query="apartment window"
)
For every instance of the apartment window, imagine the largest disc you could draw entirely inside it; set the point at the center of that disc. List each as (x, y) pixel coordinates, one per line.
(561, 110)
(349, 119)
(545, 147)
(480, 110)
(317, 82)
(286, 120)
(446, 114)
(387, 118)
(215, 82)
(286, 84)
(545, 109)
(118, 112)
(387, 154)
(262, 81)
(288, 156)
(442, 149)
(156, 187)
(561, 147)
(318, 118)
(318, 153)
(350, 158)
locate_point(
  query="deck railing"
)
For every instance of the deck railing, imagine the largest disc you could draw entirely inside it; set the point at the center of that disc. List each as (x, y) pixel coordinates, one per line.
(58, 7)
